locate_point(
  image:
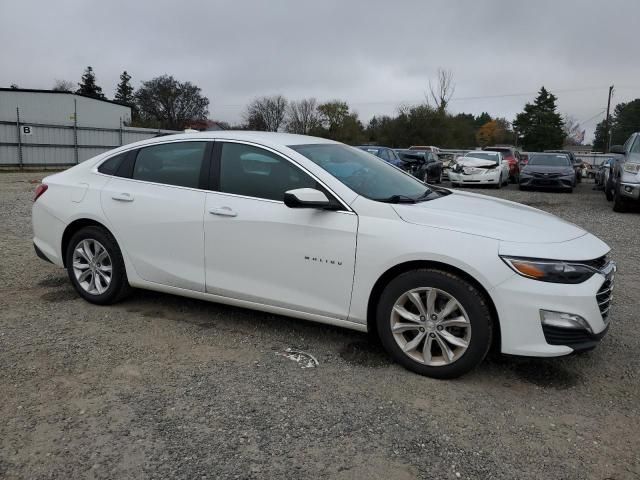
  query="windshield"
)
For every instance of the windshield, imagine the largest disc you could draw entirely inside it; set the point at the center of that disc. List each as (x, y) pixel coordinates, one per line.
(363, 173)
(482, 156)
(549, 160)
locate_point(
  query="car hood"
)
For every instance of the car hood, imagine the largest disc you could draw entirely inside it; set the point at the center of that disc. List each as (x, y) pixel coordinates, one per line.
(547, 169)
(489, 217)
(476, 162)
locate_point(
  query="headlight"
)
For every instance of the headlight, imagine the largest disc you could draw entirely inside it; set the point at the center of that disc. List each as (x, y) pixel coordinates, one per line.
(631, 167)
(554, 271)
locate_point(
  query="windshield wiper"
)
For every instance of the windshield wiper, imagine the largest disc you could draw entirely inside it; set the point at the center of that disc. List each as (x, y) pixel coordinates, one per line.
(397, 199)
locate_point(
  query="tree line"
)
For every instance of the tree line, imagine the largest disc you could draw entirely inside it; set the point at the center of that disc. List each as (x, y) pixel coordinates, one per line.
(624, 121)
(164, 102)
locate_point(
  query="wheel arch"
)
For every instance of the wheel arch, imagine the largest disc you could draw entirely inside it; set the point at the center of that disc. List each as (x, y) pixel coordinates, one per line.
(401, 268)
(72, 228)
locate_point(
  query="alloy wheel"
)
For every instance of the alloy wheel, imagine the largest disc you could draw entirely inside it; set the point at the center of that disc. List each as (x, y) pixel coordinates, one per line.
(92, 266)
(430, 326)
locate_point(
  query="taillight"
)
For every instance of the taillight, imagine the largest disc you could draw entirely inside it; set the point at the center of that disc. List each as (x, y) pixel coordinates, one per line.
(40, 189)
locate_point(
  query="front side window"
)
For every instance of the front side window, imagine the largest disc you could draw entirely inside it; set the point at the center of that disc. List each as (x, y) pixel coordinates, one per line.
(363, 173)
(176, 164)
(255, 172)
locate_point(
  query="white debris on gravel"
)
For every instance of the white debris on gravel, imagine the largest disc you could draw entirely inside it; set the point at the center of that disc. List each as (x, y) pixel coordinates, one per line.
(304, 359)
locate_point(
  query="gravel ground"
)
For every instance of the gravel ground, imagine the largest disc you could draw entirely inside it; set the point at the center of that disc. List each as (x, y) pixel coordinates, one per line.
(165, 387)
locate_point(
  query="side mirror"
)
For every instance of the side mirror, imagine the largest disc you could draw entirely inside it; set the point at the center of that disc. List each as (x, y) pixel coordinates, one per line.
(617, 149)
(306, 198)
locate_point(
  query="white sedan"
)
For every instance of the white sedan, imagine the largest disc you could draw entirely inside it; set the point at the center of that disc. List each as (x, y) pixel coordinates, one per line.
(480, 168)
(317, 230)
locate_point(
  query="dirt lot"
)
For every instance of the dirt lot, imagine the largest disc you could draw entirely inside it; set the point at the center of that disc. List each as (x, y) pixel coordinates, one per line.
(164, 387)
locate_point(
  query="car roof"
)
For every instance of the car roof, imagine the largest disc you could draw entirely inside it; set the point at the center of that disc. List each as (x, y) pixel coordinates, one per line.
(264, 138)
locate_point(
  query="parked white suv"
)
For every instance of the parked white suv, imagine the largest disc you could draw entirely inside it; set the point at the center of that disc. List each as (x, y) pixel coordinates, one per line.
(317, 230)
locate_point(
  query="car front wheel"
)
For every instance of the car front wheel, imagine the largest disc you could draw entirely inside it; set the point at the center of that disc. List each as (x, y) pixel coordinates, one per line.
(434, 323)
(95, 266)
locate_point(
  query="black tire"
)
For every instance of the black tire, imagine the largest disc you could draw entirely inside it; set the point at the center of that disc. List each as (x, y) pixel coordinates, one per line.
(499, 184)
(439, 178)
(619, 203)
(473, 302)
(119, 287)
(607, 191)
(522, 188)
(455, 185)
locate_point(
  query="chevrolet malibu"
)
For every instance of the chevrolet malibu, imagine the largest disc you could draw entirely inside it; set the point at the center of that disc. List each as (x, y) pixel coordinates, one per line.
(317, 230)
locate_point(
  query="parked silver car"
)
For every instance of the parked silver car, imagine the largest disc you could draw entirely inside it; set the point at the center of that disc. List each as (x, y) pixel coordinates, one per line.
(623, 186)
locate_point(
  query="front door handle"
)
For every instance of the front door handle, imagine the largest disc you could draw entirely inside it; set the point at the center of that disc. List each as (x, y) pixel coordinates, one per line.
(122, 197)
(223, 211)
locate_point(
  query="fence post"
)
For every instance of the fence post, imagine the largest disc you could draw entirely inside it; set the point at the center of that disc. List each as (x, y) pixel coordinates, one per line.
(75, 130)
(120, 131)
(19, 137)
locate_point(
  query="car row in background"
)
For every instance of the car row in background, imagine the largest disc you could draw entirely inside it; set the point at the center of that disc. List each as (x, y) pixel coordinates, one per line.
(421, 163)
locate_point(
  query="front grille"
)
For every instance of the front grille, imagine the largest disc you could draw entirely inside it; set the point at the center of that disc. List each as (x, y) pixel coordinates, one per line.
(546, 175)
(604, 296)
(565, 336)
(578, 339)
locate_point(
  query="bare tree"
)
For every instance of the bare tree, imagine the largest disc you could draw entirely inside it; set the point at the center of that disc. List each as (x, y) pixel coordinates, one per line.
(266, 113)
(442, 90)
(63, 86)
(303, 116)
(573, 131)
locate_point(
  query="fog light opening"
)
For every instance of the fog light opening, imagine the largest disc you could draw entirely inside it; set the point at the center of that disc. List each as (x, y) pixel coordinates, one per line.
(563, 320)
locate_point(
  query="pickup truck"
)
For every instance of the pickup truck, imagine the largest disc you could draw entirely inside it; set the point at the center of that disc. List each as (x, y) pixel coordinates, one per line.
(623, 185)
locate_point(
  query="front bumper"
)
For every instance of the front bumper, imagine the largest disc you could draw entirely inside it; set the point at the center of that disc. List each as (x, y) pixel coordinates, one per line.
(543, 182)
(630, 190)
(519, 302)
(476, 179)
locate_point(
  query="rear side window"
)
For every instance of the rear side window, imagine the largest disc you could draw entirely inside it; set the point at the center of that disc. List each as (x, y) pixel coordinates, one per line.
(111, 166)
(178, 164)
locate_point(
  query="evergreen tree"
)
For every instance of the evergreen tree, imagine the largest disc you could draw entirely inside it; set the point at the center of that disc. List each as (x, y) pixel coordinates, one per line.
(124, 90)
(88, 85)
(600, 139)
(540, 126)
(626, 120)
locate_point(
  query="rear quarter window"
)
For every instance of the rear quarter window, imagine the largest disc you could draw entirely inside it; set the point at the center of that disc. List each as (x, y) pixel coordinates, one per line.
(110, 166)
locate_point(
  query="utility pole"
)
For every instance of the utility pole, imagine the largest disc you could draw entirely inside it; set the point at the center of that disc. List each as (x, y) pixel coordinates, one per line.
(608, 142)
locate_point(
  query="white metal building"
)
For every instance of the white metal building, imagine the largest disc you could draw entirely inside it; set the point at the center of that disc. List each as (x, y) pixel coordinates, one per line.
(42, 128)
(50, 107)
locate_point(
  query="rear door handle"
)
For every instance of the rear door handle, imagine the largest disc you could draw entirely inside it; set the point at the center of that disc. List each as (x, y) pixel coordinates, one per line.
(223, 211)
(122, 197)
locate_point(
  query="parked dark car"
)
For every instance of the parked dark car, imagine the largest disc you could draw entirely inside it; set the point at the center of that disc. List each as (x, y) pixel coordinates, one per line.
(548, 171)
(602, 172)
(577, 163)
(385, 153)
(511, 155)
(624, 181)
(424, 165)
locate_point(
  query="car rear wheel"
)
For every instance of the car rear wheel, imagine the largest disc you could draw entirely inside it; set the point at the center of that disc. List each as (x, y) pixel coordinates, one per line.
(499, 185)
(95, 266)
(434, 323)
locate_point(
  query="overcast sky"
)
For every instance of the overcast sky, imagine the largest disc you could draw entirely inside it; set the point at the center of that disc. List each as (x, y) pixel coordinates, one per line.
(373, 54)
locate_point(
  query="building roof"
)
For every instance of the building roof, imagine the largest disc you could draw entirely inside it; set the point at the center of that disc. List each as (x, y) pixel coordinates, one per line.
(34, 90)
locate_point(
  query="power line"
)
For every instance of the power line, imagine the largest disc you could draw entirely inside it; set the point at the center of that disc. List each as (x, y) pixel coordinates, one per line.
(454, 99)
